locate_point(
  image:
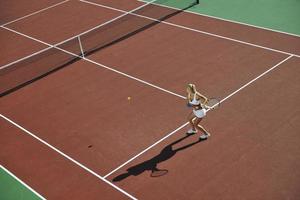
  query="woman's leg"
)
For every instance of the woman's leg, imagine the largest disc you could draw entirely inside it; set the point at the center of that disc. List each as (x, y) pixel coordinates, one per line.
(191, 118)
(197, 125)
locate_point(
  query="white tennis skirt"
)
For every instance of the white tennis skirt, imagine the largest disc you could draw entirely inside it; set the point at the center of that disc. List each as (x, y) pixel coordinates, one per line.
(200, 113)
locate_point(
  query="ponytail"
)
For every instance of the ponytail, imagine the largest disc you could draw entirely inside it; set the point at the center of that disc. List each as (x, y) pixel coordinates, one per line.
(192, 87)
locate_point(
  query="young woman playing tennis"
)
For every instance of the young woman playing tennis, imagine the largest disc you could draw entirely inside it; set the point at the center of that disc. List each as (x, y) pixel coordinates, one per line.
(197, 101)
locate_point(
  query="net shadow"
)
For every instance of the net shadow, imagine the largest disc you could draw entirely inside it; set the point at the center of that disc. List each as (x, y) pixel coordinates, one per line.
(45, 63)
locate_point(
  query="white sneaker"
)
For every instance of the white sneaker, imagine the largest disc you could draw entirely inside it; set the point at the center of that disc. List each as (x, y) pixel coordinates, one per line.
(191, 131)
(204, 136)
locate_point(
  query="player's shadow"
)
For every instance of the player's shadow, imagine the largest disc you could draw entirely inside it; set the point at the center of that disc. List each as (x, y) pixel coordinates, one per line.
(151, 165)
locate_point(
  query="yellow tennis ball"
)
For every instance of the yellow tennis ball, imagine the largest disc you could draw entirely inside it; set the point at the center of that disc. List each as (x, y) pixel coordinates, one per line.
(128, 98)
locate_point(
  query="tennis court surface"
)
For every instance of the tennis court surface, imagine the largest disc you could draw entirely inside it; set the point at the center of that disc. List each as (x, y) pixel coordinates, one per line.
(93, 101)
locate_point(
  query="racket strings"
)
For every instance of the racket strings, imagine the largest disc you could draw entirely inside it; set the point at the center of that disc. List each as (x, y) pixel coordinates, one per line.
(213, 103)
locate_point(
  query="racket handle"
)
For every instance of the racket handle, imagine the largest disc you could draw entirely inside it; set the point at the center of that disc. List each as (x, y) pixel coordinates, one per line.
(208, 107)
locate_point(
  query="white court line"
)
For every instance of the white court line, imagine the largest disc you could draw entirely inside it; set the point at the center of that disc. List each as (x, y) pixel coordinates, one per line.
(261, 75)
(98, 64)
(148, 148)
(24, 58)
(194, 30)
(103, 178)
(105, 23)
(134, 78)
(68, 157)
(39, 11)
(71, 38)
(179, 128)
(227, 20)
(171, 24)
(23, 183)
(173, 132)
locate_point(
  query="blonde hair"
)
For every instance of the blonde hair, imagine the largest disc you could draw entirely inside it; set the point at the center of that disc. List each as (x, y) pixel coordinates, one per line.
(192, 87)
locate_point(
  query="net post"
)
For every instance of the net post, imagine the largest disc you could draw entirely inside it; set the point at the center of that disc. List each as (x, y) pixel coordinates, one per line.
(80, 45)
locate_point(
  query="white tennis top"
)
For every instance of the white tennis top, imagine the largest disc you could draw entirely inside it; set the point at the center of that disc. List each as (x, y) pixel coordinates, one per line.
(195, 102)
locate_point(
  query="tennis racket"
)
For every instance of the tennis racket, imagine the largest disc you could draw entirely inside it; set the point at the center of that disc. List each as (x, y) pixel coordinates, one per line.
(158, 173)
(212, 103)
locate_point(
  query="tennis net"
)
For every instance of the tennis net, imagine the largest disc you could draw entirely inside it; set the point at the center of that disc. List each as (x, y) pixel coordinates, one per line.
(40, 64)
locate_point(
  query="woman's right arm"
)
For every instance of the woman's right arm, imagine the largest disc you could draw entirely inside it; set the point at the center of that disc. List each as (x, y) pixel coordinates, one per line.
(188, 100)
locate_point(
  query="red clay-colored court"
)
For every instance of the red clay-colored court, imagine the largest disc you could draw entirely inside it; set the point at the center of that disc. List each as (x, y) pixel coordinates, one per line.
(75, 134)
